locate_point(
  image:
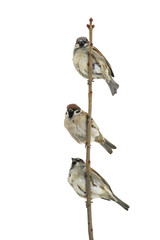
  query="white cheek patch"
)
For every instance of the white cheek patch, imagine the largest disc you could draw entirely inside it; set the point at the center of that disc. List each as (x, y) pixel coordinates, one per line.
(86, 44)
(77, 113)
(76, 45)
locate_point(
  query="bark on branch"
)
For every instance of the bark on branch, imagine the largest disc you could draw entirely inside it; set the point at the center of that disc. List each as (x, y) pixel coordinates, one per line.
(88, 143)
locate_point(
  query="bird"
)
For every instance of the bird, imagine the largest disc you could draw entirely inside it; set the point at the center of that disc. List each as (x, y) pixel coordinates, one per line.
(99, 187)
(101, 67)
(76, 123)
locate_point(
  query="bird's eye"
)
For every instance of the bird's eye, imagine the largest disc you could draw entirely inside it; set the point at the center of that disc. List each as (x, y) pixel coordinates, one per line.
(77, 111)
(66, 113)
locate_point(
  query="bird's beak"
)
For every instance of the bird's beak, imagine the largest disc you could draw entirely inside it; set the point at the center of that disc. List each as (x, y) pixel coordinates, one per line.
(81, 43)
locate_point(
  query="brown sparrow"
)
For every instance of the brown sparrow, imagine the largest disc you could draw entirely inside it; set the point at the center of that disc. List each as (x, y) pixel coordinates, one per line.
(75, 122)
(101, 67)
(99, 187)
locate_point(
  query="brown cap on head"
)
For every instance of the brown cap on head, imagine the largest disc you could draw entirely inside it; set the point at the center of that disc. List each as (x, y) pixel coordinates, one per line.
(73, 106)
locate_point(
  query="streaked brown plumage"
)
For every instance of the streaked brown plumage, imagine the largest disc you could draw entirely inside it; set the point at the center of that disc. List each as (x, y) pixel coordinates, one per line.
(99, 187)
(101, 67)
(75, 122)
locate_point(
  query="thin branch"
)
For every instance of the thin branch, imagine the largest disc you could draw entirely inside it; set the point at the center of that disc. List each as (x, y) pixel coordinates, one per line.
(88, 143)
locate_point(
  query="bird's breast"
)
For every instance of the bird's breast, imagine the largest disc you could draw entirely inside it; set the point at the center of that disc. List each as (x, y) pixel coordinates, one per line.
(80, 60)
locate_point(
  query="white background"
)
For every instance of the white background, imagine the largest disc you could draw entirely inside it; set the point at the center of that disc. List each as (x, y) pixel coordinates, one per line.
(38, 81)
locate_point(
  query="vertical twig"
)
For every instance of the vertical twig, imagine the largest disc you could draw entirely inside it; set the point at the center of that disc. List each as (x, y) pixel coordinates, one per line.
(88, 143)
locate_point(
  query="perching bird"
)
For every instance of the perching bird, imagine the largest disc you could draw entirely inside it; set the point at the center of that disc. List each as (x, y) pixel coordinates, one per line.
(99, 187)
(76, 121)
(101, 67)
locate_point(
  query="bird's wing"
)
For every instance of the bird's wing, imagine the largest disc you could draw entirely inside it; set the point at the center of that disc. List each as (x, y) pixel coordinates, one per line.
(80, 180)
(98, 56)
(93, 124)
(98, 179)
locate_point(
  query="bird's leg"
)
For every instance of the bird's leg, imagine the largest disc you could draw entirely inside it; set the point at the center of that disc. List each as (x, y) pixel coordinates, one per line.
(86, 145)
(88, 82)
(89, 204)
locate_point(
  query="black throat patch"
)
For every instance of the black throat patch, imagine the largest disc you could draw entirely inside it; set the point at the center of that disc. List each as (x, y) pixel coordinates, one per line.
(70, 113)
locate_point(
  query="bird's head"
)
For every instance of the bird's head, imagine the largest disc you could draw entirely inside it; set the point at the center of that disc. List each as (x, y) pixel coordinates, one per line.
(73, 109)
(77, 162)
(82, 42)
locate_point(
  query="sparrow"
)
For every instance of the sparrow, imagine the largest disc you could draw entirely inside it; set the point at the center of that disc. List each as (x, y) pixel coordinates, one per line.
(76, 122)
(99, 187)
(101, 67)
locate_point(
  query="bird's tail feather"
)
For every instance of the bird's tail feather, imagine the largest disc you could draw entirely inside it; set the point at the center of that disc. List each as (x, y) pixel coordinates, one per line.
(121, 203)
(107, 145)
(113, 86)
